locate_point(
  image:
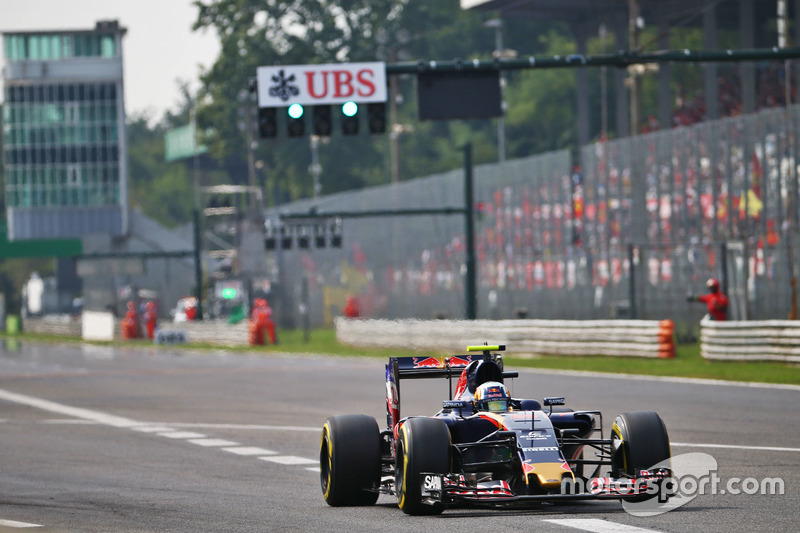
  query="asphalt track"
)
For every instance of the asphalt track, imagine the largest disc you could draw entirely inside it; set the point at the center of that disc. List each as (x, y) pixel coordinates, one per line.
(135, 439)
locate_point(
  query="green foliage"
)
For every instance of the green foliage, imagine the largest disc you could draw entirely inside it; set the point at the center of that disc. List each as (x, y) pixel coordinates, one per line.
(163, 191)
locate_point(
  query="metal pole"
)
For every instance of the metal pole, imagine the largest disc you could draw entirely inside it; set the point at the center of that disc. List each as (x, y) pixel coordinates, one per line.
(315, 168)
(632, 282)
(603, 87)
(501, 124)
(469, 226)
(394, 130)
(633, 44)
(782, 30)
(198, 267)
(497, 24)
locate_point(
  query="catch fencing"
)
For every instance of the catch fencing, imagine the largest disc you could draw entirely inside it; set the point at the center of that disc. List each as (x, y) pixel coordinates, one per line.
(636, 228)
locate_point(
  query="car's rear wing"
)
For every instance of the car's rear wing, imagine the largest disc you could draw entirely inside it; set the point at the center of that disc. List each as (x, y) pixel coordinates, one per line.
(423, 367)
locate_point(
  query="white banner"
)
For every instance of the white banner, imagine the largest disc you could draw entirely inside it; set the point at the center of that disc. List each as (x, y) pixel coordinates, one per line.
(282, 86)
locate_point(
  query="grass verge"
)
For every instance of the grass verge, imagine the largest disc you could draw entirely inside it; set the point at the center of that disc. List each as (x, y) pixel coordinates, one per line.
(687, 362)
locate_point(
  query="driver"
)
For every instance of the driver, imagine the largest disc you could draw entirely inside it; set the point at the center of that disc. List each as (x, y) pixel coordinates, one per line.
(492, 396)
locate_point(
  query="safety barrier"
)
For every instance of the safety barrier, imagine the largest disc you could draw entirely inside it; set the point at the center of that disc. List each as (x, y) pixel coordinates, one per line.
(53, 325)
(756, 340)
(216, 332)
(634, 338)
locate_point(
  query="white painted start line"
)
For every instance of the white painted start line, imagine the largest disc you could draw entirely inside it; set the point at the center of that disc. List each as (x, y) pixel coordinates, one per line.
(596, 525)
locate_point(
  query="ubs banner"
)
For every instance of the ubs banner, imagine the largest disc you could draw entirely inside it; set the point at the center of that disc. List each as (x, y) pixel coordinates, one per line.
(284, 85)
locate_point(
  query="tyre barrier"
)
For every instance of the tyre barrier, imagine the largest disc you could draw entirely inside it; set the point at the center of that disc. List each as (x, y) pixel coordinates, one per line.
(629, 338)
(750, 340)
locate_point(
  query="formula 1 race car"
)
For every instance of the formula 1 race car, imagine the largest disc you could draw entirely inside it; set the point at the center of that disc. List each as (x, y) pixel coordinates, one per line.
(484, 447)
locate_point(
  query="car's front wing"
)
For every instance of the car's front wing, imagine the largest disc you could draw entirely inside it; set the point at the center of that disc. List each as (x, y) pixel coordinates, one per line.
(454, 488)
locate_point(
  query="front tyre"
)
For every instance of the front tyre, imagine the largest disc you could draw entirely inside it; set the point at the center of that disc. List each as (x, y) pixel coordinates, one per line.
(350, 460)
(639, 441)
(423, 445)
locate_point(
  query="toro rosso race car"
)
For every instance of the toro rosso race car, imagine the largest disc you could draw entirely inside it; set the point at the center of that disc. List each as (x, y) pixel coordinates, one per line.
(484, 447)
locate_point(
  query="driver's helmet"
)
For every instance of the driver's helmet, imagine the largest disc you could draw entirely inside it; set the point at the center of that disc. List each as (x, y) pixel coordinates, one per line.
(492, 396)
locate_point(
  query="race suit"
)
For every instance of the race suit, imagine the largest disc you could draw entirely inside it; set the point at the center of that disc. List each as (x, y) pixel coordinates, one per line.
(717, 304)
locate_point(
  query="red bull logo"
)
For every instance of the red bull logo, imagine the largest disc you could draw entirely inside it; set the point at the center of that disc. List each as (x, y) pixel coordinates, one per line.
(458, 362)
(428, 362)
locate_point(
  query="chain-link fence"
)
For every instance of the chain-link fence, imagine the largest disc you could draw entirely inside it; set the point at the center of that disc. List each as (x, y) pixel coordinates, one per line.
(552, 241)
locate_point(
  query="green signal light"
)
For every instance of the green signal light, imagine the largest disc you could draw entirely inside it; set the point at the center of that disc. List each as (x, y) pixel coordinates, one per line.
(229, 293)
(349, 109)
(295, 111)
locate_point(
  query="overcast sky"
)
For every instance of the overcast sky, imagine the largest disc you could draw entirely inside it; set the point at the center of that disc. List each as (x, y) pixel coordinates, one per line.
(159, 48)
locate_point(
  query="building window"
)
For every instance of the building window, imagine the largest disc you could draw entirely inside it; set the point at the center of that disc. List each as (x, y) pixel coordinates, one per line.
(107, 46)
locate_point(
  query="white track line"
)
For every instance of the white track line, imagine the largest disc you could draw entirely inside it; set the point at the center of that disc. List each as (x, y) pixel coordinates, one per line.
(250, 450)
(218, 443)
(15, 524)
(153, 429)
(289, 460)
(161, 431)
(667, 379)
(595, 525)
(182, 435)
(735, 447)
(75, 412)
(261, 427)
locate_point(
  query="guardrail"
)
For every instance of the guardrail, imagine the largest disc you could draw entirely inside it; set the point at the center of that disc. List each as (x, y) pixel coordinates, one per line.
(634, 338)
(752, 340)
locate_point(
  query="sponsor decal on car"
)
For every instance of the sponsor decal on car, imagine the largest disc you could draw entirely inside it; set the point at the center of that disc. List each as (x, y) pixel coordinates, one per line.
(428, 362)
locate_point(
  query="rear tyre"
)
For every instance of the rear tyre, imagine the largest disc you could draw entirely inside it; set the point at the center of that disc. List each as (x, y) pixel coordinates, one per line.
(350, 460)
(639, 441)
(423, 445)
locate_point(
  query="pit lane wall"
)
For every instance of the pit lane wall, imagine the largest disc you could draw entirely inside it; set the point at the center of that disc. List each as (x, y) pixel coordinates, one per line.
(752, 340)
(634, 338)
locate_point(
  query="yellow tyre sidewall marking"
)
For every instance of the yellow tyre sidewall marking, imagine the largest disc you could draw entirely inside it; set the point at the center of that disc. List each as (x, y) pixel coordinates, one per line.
(402, 500)
(326, 430)
(618, 432)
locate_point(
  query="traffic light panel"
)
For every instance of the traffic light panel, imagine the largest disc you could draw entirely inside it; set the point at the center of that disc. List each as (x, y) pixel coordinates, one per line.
(272, 229)
(296, 121)
(319, 236)
(350, 118)
(336, 233)
(303, 237)
(286, 237)
(303, 233)
(376, 117)
(323, 125)
(267, 122)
